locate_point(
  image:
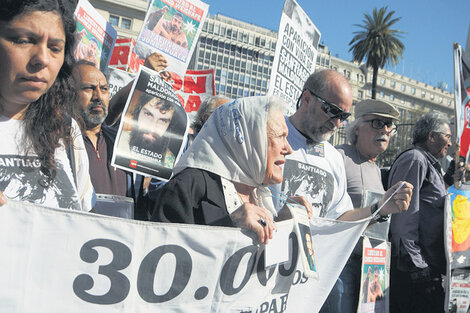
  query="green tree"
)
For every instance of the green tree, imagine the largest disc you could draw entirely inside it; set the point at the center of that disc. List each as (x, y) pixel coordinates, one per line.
(377, 42)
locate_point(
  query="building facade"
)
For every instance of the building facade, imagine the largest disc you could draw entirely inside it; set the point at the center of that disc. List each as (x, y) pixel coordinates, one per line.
(242, 55)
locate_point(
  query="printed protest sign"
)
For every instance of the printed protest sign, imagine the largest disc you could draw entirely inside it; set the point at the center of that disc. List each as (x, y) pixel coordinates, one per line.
(459, 294)
(67, 261)
(118, 79)
(172, 27)
(373, 297)
(123, 56)
(95, 37)
(194, 87)
(296, 54)
(458, 223)
(153, 129)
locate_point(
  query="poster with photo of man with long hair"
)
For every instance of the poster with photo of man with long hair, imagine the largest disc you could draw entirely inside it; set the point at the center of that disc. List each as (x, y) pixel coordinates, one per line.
(153, 128)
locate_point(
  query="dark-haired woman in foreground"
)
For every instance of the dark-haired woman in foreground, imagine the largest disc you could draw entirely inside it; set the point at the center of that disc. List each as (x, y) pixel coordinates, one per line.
(37, 132)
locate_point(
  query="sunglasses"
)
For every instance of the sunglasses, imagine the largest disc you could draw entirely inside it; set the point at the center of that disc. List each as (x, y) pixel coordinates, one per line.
(332, 110)
(379, 124)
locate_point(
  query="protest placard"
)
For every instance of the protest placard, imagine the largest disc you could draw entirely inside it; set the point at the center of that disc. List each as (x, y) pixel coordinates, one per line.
(153, 128)
(295, 56)
(123, 56)
(373, 297)
(194, 87)
(172, 27)
(117, 79)
(459, 293)
(95, 37)
(57, 260)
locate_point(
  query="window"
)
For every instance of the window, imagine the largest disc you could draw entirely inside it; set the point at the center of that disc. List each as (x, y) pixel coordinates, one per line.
(423, 94)
(114, 20)
(382, 81)
(413, 90)
(382, 94)
(432, 96)
(359, 94)
(126, 23)
(392, 97)
(392, 84)
(403, 87)
(440, 99)
(121, 22)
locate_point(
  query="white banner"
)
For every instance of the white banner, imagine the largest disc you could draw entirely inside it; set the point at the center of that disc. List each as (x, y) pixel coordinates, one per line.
(67, 261)
(296, 54)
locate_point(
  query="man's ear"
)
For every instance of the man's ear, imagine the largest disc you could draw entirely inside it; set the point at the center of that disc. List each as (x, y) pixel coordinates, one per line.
(432, 136)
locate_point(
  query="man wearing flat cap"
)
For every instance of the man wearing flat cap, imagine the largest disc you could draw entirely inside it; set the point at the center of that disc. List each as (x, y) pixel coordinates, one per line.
(369, 135)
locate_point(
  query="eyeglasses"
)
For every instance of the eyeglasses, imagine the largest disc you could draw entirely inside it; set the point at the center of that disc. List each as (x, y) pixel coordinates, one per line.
(448, 136)
(331, 109)
(379, 124)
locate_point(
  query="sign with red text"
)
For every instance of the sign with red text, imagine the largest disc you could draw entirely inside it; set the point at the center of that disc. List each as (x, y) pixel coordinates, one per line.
(373, 297)
(95, 37)
(67, 261)
(123, 56)
(459, 293)
(295, 56)
(172, 27)
(194, 87)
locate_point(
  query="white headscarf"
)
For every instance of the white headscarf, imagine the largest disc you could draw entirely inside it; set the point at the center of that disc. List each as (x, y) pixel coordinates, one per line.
(233, 142)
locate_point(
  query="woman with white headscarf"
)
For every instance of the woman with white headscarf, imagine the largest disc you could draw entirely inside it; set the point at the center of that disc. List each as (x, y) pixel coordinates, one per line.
(222, 178)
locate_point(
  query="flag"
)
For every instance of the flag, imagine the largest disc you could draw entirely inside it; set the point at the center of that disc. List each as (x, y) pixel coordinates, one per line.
(462, 97)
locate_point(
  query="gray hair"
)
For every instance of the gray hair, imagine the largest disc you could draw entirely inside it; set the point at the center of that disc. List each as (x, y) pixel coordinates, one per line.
(350, 130)
(275, 104)
(430, 122)
(207, 106)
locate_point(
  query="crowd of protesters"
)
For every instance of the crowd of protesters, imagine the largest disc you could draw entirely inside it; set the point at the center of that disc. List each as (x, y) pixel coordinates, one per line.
(58, 124)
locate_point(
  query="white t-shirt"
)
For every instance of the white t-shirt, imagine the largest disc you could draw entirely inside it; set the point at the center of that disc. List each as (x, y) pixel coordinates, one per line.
(317, 172)
(21, 178)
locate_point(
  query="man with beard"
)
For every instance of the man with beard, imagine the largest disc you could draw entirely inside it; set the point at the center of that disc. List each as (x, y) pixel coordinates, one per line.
(323, 104)
(369, 135)
(171, 30)
(153, 118)
(92, 102)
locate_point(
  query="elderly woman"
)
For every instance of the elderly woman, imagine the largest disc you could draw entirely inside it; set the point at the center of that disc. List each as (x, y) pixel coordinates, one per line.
(222, 178)
(36, 41)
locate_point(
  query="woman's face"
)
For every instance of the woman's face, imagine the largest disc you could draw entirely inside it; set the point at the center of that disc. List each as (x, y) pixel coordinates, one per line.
(278, 148)
(32, 52)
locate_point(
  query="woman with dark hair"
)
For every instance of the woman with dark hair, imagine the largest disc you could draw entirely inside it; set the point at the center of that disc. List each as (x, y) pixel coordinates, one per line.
(42, 159)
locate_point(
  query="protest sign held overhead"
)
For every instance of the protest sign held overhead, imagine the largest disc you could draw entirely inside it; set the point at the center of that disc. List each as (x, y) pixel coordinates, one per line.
(67, 261)
(194, 87)
(153, 129)
(95, 37)
(172, 27)
(124, 57)
(296, 54)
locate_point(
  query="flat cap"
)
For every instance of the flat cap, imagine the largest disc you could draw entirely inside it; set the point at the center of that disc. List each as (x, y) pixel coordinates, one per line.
(376, 107)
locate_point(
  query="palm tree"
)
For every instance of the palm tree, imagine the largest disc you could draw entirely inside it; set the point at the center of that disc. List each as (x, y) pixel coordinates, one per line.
(377, 42)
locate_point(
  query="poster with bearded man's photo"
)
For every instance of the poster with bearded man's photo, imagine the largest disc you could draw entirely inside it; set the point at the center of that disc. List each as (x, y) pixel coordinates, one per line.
(153, 128)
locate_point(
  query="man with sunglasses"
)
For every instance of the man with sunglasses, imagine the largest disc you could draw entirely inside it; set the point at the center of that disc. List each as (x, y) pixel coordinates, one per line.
(369, 135)
(315, 169)
(417, 236)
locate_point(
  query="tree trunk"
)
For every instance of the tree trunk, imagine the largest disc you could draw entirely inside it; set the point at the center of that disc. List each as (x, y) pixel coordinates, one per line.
(375, 72)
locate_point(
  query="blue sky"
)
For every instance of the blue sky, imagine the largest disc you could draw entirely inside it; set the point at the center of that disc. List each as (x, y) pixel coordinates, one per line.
(430, 28)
